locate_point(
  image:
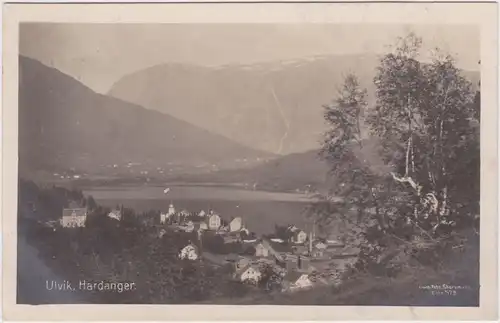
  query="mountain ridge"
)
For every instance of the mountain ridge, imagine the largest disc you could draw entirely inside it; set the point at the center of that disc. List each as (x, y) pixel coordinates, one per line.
(63, 123)
(273, 106)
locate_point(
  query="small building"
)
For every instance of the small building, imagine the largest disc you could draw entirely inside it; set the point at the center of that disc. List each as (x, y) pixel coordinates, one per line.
(304, 264)
(299, 237)
(320, 245)
(318, 253)
(297, 262)
(164, 217)
(261, 250)
(249, 274)
(214, 221)
(202, 214)
(189, 252)
(236, 224)
(171, 210)
(295, 280)
(73, 218)
(115, 214)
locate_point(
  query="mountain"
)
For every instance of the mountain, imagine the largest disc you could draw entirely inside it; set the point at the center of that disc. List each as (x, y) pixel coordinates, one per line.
(276, 106)
(65, 125)
(294, 172)
(298, 171)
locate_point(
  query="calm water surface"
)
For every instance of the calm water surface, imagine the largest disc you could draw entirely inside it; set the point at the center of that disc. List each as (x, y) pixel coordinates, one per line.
(260, 210)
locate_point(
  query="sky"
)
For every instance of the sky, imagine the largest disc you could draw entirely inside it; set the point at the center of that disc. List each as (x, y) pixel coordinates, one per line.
(98, 55)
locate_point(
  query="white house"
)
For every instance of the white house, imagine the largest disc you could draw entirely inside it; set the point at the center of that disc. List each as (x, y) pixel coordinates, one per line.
(249, 274)
(261, 250)
(73, 218)
(202, 214)
(189, 252)
(214, 221)
(294, 280)
(164, 217)
(171, 210)
(115, 214)
(236, 224)
(299, 237)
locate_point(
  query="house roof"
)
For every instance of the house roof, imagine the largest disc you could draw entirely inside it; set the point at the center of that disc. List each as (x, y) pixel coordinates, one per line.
(240, 271)
(75, 211)
(297, 232)
(236, 219)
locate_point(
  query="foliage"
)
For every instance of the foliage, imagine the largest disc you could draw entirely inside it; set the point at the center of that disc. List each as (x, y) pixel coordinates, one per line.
(270, 280)
(426, 119)
(282, 232)
(129, 250)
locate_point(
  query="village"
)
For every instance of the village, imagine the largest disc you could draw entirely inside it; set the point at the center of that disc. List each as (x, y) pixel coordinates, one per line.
(295, 258)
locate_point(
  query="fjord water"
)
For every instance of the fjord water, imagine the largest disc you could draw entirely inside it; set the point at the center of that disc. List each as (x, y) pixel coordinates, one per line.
(260, 210)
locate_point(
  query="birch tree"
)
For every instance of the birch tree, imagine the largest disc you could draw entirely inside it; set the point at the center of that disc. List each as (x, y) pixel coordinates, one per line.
(344, 135)
(422, 115)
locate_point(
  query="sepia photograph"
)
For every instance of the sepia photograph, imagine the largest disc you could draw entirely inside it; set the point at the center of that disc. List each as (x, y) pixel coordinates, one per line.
(325, 164)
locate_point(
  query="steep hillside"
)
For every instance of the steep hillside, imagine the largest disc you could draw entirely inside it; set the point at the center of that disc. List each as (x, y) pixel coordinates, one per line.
(274, 106)
(295, 172)
(300, 171)
(65, 125)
